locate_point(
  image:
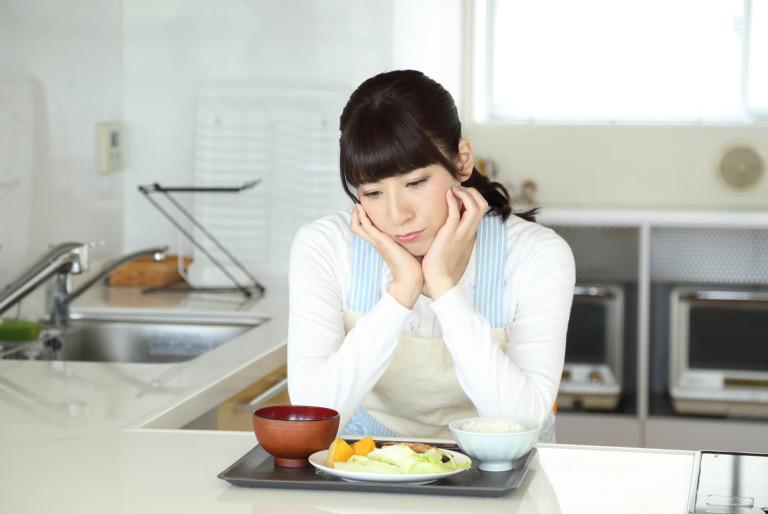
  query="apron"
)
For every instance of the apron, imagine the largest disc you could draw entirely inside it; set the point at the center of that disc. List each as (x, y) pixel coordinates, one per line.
(419, 393)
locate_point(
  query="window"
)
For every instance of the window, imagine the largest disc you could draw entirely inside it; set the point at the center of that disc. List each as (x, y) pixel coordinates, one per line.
(602, 61)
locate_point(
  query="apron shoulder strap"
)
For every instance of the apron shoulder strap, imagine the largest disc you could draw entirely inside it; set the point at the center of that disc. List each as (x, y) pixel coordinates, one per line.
(365, 276)
(490, 259)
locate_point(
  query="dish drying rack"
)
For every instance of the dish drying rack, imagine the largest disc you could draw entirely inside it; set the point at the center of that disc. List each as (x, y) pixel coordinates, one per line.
(254, 289)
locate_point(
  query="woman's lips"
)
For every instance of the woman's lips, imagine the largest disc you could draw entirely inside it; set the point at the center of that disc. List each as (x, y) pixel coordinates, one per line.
(409, 237)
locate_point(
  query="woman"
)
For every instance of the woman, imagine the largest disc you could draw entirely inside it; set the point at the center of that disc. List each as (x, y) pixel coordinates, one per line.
(429, 301)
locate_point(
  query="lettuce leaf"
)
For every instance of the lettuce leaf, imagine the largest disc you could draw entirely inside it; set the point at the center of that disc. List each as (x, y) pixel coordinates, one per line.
(361, 464)
(398, 459)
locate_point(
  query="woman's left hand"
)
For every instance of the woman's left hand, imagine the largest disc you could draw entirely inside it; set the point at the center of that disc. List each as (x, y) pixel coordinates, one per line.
(447, 257)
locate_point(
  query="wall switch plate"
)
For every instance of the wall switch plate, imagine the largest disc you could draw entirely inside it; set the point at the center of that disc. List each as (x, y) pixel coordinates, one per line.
(109, 146)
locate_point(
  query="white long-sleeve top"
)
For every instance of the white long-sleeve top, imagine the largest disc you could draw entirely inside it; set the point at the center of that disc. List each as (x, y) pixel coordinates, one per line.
(329, 368)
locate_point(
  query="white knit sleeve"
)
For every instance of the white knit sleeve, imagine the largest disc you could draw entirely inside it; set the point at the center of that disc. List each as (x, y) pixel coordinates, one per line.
(520, 378)
(326, 367)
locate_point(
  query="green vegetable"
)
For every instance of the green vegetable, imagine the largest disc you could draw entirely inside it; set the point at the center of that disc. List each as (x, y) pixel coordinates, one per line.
(400, 459)
(362, 464)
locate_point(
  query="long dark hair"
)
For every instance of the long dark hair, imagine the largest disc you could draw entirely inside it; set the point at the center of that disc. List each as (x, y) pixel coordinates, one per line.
(399, 121)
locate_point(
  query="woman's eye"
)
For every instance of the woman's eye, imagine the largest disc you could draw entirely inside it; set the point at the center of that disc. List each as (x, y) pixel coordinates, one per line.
(416, 183)
(371, 194)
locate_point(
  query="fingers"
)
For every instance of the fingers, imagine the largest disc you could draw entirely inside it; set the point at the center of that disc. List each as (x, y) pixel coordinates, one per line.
(354, 224)
(473, 209)
(454, 214)
(365, 221)
(361, 225)
(407, 277)
(471, 199)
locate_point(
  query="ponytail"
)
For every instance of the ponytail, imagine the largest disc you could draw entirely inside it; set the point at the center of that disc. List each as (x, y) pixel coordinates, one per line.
(497, 197)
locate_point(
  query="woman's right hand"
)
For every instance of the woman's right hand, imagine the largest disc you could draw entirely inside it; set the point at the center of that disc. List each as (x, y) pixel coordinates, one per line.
(407, 277)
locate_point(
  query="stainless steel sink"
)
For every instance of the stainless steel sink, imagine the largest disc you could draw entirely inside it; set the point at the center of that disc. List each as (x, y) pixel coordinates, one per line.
(128, 338)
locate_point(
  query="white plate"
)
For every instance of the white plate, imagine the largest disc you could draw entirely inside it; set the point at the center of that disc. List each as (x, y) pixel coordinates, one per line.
(317, 459)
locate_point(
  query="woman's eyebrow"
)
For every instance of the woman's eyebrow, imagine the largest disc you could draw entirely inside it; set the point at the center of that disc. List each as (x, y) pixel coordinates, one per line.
(367, 188)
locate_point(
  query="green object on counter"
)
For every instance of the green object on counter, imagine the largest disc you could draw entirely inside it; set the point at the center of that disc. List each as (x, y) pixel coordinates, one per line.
(18, 330)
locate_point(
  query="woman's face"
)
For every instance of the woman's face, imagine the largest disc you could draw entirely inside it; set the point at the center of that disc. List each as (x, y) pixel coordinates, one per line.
(411, 208)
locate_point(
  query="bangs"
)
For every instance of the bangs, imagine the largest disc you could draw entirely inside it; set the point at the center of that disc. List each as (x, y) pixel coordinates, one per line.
(385, 144)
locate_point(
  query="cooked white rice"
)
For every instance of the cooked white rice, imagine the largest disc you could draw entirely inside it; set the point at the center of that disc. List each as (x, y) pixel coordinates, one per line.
(493, 425)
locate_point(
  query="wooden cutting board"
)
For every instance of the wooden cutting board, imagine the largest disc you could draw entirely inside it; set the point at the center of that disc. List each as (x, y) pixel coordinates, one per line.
(147, 272)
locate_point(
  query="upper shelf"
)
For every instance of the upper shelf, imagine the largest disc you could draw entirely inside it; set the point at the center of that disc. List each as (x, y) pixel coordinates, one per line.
(654, 217)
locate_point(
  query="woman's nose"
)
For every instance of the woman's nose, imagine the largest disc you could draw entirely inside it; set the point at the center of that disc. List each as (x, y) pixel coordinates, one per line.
(400, 209)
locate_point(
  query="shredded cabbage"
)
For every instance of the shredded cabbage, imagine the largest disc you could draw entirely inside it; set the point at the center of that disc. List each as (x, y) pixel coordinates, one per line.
(400, 459)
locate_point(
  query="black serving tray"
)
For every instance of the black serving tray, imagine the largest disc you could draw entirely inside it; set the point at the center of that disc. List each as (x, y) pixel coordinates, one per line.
(257, 469)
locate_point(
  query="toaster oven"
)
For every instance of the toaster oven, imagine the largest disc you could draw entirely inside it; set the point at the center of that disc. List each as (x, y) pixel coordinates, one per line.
(718, 351)
(592, 374)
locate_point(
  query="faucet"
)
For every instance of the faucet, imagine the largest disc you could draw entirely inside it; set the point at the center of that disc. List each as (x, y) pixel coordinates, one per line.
(62, 294)
(60, 261)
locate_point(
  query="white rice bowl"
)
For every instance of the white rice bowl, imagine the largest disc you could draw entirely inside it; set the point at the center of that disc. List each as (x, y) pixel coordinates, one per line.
(495, 442)
(493, 425)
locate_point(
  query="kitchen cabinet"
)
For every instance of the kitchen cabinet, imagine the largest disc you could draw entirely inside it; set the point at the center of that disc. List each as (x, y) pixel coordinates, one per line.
(647, 253)
(235, 412)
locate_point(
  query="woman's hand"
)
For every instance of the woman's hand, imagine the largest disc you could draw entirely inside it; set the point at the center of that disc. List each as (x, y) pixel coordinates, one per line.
(407, 277)
(447, 257)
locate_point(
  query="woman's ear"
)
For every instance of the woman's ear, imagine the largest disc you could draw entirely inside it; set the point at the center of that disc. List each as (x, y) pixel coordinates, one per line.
(466, 160)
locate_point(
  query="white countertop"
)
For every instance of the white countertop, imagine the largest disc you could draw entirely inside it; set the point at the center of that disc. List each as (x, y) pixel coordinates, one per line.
(74, 438)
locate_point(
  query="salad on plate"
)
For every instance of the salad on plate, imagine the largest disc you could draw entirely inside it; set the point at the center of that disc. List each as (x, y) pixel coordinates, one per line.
(395, 462)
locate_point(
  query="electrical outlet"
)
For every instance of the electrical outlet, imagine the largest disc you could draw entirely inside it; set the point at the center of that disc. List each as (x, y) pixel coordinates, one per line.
(109, 146)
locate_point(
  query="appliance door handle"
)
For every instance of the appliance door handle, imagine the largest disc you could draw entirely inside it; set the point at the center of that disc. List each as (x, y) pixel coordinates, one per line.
(593, 291)
(738, 296)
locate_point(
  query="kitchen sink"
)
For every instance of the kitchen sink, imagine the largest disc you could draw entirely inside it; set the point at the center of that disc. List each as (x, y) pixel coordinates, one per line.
(132, 338)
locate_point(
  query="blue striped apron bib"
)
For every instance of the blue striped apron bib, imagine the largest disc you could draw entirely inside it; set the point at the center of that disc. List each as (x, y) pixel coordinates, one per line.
(365, 291)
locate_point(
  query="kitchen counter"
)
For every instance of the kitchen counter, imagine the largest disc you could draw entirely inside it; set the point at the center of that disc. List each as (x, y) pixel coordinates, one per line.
(94, 438)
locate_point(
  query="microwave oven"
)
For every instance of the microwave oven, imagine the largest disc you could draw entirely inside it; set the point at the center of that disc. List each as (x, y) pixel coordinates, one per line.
(592, 374)
(718, 351)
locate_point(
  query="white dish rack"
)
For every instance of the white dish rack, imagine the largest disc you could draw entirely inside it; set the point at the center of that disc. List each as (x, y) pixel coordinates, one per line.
(287, 135)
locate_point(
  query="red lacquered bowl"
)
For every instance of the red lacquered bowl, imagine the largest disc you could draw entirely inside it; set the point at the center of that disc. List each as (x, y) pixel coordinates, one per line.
(291, 433)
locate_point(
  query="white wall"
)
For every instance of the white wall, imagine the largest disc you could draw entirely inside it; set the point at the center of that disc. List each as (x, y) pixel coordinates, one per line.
(60, 74)
(142, 62)
(615, 166)
(174, 47)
